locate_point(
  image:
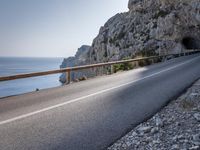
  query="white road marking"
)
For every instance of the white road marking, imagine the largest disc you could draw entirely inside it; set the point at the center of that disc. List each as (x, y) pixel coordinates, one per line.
(90, 95)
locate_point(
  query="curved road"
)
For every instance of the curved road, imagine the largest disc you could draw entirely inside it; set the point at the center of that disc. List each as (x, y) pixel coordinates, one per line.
(92, 114)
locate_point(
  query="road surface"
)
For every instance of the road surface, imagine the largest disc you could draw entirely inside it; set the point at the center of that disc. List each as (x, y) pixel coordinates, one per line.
(92, 114)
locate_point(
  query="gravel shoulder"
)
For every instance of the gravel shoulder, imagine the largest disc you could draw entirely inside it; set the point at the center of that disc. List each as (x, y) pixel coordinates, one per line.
(175, 127)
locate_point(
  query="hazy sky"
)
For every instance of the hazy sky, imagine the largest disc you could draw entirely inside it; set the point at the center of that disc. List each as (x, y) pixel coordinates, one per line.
(52, 28)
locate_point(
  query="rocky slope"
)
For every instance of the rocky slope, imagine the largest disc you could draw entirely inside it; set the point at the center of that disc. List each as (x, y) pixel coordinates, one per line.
(149, 27)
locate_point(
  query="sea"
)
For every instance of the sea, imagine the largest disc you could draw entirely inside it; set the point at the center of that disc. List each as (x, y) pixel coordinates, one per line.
(16, 65)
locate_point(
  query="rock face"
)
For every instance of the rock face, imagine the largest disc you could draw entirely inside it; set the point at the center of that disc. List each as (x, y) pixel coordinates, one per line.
(79, 59)
(161, 26)
(150, 27)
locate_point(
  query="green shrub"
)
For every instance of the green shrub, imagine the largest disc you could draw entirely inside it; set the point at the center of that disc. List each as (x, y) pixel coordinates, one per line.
(123, 67)
(143, 63)
(82, 78)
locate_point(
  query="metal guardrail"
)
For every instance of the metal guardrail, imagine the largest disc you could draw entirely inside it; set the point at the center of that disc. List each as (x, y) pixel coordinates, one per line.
(69, 69)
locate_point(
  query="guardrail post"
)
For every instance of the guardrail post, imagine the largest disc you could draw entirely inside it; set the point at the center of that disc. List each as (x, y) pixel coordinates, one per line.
(102, 70)
(111, 69)
(136, 64)
(152, 61)
(68, 77)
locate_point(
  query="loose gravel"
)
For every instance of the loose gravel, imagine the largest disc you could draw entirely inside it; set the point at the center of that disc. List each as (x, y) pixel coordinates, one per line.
(175, 127)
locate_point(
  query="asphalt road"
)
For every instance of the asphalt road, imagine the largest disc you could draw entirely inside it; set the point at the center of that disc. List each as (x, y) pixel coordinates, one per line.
(92, 114)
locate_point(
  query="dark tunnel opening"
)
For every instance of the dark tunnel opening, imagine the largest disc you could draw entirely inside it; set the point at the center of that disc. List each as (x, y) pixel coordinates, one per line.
(190, 43)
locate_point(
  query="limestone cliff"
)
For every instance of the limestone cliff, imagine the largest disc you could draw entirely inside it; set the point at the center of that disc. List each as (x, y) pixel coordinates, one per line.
(150, 26)
(81, 58)
(161, 26)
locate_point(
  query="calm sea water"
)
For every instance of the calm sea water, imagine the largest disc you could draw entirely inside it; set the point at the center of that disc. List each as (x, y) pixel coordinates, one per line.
(12, 66)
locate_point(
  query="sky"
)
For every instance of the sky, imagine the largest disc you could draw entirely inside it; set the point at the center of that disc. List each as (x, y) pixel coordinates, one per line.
(52, 28)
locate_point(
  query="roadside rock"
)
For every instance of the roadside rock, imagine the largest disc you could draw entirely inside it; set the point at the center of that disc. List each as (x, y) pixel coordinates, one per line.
(194, 148)
(144, 129)
(197, 116)
(159, 122)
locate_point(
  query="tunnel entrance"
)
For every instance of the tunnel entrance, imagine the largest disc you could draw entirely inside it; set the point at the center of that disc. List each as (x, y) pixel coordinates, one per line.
(190, 43)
